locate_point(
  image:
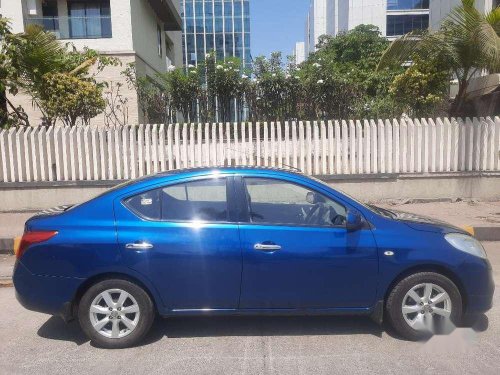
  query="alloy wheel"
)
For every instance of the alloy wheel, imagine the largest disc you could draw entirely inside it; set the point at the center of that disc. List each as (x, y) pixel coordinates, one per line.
(425, 306)
(114, 313)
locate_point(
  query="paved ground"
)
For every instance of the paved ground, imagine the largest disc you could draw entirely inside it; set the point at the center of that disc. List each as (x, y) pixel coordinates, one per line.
(6, 265)
(33, 343)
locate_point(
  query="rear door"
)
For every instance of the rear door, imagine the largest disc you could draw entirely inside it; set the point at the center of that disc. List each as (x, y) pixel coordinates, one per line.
(183, 237)
(297, 252)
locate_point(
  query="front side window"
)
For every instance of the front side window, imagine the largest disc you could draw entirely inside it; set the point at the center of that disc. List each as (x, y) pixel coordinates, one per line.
(204, 201)
(283, 203)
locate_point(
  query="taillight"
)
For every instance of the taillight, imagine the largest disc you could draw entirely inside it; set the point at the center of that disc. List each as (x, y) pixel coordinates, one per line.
(30, 238)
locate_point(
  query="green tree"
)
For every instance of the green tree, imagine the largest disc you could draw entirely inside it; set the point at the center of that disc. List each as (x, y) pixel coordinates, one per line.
(277, 89)
(33, 57)
(422, 89)
(9, 114)
(153, 97)
(223, 84)
(184, 88)
(350, 60)
(467, 42)
(71, 99)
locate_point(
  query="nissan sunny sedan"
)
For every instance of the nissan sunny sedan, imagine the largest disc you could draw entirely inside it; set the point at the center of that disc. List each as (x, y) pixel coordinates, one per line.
(245, 241)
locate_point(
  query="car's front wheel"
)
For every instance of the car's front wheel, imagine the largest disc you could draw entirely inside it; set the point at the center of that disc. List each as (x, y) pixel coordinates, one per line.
(424, 304)
(115, 313)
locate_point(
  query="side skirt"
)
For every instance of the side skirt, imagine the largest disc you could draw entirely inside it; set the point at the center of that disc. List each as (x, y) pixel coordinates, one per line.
(270, 312)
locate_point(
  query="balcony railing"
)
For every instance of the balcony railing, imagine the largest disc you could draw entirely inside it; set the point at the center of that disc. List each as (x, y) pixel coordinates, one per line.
(94, 27)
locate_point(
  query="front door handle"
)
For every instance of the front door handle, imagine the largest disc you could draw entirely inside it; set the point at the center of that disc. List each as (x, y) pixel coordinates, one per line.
(266, 247)
(139, 246)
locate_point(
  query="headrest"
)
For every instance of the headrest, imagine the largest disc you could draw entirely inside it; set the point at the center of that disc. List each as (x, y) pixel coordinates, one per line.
(314, 198)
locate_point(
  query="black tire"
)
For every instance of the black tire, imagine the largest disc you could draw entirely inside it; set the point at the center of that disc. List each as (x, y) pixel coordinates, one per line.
(145, 319)
(394, 303)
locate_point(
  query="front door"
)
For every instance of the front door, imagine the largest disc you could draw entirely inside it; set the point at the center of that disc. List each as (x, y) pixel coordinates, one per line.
(184, 239)
(297, 253)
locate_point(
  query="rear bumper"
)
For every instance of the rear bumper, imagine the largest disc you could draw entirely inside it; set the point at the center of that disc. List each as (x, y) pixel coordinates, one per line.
(45, 294)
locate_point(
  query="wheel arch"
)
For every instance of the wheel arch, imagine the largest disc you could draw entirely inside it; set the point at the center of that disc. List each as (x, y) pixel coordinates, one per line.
(108, 276)
(429, 268)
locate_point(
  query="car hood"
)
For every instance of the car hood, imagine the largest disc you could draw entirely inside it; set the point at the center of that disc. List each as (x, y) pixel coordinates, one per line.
(424, 223)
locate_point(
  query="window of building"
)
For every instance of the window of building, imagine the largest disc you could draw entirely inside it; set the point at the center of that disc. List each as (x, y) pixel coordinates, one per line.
(402, 24)
(89, 19)
(158, 37)
(407, 4)
(50, 17)
(279, 202)
(204, 201)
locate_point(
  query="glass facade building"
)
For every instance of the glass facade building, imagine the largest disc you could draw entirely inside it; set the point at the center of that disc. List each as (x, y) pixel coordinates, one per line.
(222, 26)
(404, 16)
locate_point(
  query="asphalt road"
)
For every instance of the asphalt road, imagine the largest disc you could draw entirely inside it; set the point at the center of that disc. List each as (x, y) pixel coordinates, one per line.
(32, 343)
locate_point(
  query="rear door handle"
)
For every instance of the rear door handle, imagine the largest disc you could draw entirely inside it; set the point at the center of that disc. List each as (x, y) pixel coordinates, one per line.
(266, 247)
(139, 246)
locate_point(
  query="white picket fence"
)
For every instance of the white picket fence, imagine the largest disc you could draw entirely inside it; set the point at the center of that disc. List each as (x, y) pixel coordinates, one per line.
(316, 148)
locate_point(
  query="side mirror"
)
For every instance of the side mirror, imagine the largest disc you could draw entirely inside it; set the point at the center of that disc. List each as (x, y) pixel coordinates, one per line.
(353, 220)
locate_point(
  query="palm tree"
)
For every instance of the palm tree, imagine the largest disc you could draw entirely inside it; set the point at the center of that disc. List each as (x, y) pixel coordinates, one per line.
(467, 42)
(36, 53)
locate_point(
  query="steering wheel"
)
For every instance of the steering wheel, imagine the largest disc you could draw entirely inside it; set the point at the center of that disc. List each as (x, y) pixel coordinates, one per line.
(318, 212)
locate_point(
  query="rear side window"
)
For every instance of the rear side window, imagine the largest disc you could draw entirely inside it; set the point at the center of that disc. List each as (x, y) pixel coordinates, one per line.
(147, 205)
(204, 200)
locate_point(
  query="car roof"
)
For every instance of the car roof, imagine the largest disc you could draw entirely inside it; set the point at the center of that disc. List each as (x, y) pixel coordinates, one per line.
(234, 169)
(194, 172)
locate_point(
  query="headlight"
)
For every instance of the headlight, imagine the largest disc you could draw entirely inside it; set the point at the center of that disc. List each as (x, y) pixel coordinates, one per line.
(466, 244)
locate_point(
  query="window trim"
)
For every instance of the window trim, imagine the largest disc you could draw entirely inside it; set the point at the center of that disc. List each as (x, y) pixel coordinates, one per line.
(244, 208)
(230, 200)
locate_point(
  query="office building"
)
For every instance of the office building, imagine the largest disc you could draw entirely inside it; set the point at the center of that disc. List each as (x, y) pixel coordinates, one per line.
(222, 26)
(393, 17)
(299, 52)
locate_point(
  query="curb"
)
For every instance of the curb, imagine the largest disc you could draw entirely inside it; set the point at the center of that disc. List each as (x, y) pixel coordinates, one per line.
(6, 283)
(7, 245)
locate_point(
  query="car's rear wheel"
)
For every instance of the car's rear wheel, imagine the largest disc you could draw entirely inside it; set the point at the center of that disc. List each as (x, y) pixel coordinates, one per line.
(424, 304)
(115, 313)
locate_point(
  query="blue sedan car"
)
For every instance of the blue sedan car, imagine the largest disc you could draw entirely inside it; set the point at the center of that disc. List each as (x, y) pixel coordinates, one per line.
(245, 241)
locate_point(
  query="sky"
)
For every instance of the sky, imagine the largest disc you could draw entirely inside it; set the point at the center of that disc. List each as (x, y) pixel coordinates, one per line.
(276, 25)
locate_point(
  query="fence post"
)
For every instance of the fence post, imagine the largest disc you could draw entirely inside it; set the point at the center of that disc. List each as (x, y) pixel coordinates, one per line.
(279, 140)
(35, 164)
(368, 143)
(388, 140)
(3, 156)
(331, 148)
(294, 145)
(345, 148)
(352, 147)
(287, 143)
(272, 147)
(375, 151)
(381, 145)
(316, 152)
(359, 137)
(324, 148)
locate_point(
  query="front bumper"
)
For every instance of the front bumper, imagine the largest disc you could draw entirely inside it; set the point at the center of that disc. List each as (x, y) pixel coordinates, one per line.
(480, 288)
(45, 294)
